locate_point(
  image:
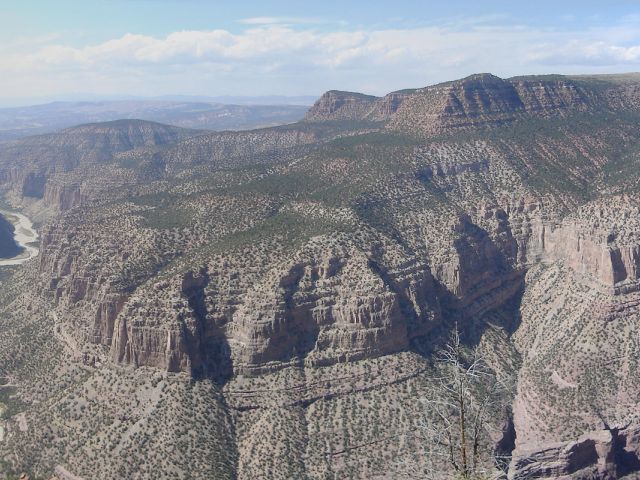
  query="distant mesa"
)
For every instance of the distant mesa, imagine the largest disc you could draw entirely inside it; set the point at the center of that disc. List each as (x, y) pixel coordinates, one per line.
(187, 112)
(284, 290)
(479, 99)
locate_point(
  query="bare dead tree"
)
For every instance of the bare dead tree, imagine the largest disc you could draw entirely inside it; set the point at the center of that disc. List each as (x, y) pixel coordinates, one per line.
(453, 431)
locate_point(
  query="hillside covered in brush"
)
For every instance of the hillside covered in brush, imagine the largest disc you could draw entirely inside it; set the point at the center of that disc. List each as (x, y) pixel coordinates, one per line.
(269, 303)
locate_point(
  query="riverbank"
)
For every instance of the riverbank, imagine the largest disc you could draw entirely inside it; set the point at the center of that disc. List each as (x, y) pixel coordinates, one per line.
(8, 246)
(25, 235)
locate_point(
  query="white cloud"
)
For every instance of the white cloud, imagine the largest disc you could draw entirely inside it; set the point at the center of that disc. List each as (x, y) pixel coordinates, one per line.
(272, 56)
(595, 53)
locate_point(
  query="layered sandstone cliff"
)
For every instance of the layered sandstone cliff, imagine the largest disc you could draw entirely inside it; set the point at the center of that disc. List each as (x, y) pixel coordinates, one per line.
(477, 100)
(293, 284)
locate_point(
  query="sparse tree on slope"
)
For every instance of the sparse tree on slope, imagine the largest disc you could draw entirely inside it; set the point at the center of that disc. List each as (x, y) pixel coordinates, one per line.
(453, 432)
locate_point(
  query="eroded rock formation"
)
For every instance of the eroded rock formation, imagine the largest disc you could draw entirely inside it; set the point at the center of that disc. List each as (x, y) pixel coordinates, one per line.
(293, 284)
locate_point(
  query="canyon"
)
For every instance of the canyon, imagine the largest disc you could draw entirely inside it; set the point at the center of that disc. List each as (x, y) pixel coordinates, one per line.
(269, 303)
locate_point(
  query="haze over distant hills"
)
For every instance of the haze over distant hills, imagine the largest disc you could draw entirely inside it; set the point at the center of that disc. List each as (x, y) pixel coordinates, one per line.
(337, 240)
(305, 100)
(269, 303)
(208, 113)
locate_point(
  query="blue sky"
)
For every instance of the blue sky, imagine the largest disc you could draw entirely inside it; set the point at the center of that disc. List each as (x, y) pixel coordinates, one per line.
(66, 48)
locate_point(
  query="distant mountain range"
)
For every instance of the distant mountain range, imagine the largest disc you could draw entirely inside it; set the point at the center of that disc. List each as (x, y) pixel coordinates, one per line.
(305, 100)
(190, 112)
(278, 303)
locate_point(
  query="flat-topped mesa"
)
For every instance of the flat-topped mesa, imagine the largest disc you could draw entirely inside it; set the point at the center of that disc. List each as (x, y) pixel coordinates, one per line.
(90, 143)
(28, 164)
(337, 105)
(477, 100)
(121, 135)
(485, 99)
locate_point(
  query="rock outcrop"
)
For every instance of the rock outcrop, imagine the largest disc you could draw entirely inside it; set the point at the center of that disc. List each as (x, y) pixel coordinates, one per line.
(604, 454)
(336, 105)
(478, 100)
(600, 245)
(28, 166)
(487, 100)
(317, 312)
(294, 283)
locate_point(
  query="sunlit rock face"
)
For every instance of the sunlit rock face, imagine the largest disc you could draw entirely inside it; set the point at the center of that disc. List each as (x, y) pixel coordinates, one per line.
(294, 283)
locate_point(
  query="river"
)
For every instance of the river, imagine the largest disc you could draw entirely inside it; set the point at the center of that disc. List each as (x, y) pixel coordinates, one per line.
(24, 235)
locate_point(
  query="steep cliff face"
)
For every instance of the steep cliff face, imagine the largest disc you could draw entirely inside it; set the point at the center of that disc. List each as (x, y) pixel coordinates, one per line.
(336, 105)
(611, 453)
(27, 165)
(318, 311)
(299, 279)
(478, 100)
(579, 372)
(599, 244)
(551, 96)
(487, 100)
(342, 106)
(330, 305)
(96, 296)
(61, 195)
(612, 265)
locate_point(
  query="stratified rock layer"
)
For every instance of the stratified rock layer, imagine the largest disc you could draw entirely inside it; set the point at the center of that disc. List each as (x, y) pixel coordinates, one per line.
(293, 283)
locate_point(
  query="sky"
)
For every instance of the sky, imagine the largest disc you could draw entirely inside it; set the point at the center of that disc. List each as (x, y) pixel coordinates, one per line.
(70, 49)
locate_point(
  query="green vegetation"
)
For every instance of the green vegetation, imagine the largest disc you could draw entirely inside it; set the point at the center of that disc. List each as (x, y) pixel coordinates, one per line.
(324, 271)
(10, 404)
(167, 216)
